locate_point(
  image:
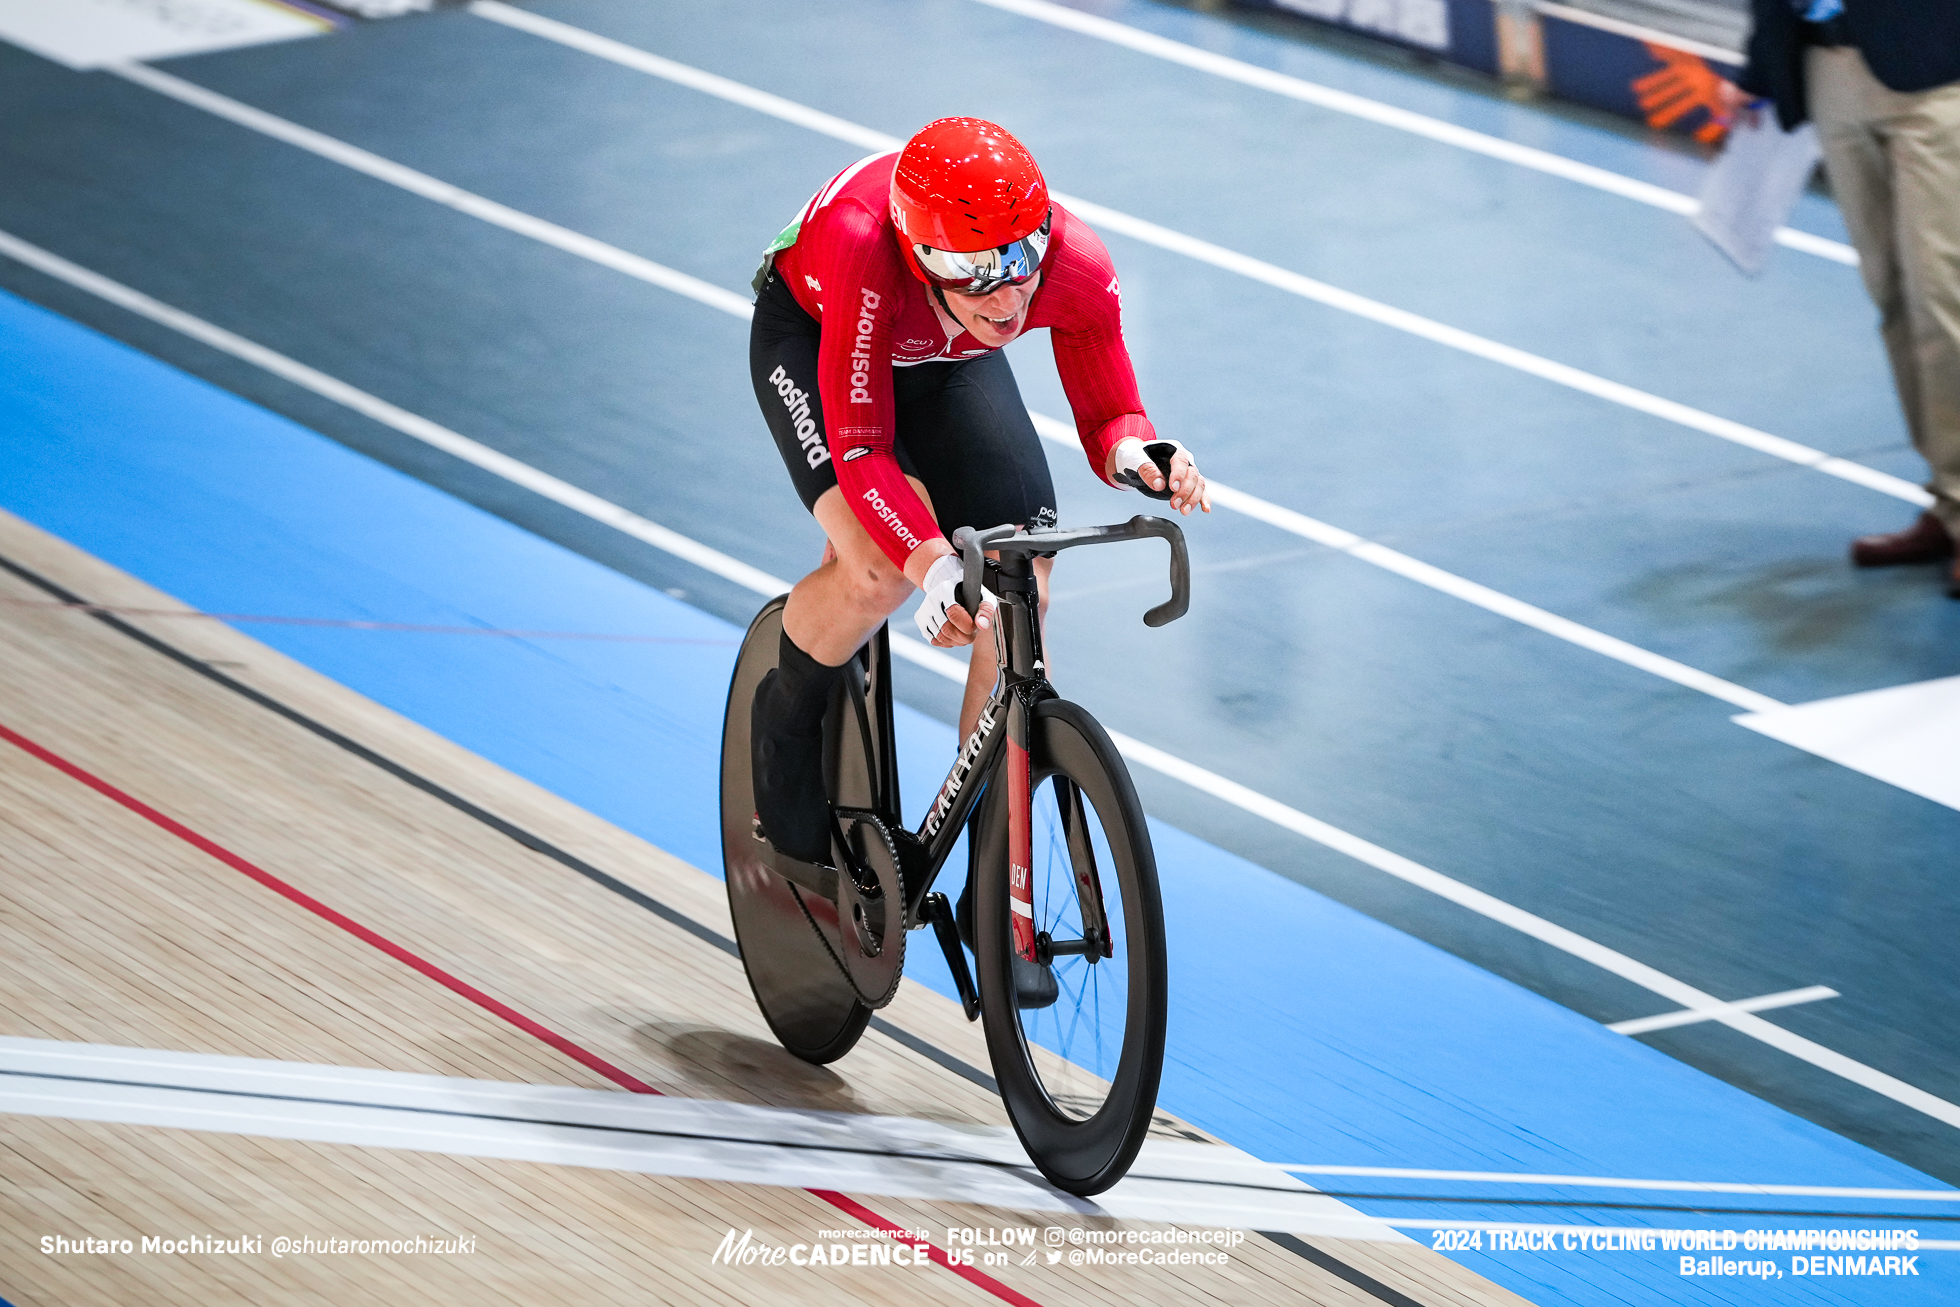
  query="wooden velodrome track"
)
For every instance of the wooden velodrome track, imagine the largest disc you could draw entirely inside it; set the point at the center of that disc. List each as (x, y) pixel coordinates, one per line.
(175, 854)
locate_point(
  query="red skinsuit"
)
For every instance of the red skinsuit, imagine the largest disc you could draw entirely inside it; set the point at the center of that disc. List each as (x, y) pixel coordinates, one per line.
(846, 271)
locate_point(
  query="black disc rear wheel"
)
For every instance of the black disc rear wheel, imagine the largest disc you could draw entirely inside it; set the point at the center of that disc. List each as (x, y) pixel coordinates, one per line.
(785, 922)
(1079, 1076)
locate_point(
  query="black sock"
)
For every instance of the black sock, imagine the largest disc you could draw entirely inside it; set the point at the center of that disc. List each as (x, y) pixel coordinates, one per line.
(801, 691)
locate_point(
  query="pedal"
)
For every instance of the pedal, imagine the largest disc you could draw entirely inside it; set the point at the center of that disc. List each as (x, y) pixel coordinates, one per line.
(866, 883)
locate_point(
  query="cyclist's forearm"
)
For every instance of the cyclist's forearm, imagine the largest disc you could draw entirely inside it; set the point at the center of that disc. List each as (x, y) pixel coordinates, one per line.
(881, 497)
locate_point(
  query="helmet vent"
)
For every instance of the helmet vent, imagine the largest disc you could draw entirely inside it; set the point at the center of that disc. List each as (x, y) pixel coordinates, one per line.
(963, 174)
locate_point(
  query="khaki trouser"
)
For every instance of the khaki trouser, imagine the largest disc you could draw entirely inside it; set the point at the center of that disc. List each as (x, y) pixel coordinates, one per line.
(1894, 164)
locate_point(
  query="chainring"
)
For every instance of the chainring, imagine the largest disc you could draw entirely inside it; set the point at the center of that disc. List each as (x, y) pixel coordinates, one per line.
(870, 908)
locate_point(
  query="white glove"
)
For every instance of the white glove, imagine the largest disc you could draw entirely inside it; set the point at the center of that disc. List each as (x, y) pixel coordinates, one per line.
(942, 579)
(1132, 455)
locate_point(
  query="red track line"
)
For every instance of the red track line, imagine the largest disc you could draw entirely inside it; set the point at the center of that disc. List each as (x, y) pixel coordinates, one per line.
(346, 923)
(467, 990)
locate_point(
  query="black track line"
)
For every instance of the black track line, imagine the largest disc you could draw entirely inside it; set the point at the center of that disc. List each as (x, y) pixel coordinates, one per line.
(1333, 1265)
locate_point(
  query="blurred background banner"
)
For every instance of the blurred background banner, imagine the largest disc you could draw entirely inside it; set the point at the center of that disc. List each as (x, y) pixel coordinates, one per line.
(1656, 61)
(91, 33)
(1461, 31)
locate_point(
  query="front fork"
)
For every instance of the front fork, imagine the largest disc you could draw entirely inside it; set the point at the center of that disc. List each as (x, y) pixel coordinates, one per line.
(1019, 644)
(1097, 940)
(1020, 833)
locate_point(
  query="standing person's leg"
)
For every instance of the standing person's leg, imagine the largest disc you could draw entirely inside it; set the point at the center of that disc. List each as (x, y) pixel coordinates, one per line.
(1925, 147)
(1850, 108)
(1846, 102)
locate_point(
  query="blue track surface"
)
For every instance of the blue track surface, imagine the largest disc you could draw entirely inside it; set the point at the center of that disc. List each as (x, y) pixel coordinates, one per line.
(1348, 1042)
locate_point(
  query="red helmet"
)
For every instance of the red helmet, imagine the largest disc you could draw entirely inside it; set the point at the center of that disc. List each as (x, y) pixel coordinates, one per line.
(970, 205)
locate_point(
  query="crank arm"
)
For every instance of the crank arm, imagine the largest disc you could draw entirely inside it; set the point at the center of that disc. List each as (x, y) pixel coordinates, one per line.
(940, 912)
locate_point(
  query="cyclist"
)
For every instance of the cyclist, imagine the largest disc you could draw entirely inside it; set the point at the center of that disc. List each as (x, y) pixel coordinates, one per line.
(879, 318)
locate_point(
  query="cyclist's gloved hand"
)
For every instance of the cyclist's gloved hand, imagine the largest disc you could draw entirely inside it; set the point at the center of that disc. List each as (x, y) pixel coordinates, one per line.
(941, 619)
(1135, 465)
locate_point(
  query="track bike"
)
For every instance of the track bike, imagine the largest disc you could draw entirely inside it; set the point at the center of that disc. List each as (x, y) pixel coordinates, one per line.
(1060, 870)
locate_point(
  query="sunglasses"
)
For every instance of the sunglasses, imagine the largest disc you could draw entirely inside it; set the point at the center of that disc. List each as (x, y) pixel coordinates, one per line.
(981, 272)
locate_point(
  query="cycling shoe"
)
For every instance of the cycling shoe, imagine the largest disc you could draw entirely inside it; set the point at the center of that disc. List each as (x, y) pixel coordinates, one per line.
(1034, 984)
(788, 772)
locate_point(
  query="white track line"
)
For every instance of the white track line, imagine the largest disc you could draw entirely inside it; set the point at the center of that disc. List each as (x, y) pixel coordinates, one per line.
(156, 1076)
(429, 188)
(1177, 1181)
(1217, 256)
(1374, 111)
(409, 424)
(715, 297)
(695, 79)
(914, 651)
(1172, 1181)
(1613, 1182)
(1449, 583)
(1528, 923)
(1493, 351)
(1763, 1003)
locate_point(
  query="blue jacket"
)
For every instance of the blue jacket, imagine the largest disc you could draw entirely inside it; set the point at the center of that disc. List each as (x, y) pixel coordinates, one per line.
(1911, 45)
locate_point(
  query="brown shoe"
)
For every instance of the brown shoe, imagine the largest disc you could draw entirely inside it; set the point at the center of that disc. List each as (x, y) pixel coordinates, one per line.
(1925, 541)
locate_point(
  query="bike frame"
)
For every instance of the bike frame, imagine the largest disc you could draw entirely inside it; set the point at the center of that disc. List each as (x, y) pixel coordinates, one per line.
(1000, 739)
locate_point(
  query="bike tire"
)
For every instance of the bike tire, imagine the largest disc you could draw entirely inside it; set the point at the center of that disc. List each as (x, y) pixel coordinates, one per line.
(793, 971)
(1080, 1100)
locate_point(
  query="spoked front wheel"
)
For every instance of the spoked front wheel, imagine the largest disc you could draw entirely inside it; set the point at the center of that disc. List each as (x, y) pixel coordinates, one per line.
(1078, 1074)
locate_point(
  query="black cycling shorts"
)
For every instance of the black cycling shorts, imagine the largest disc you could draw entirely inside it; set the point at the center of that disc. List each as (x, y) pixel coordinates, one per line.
(962, 428)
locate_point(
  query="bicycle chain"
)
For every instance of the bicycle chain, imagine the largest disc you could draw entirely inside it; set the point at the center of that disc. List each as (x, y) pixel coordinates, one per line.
(842, 970)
